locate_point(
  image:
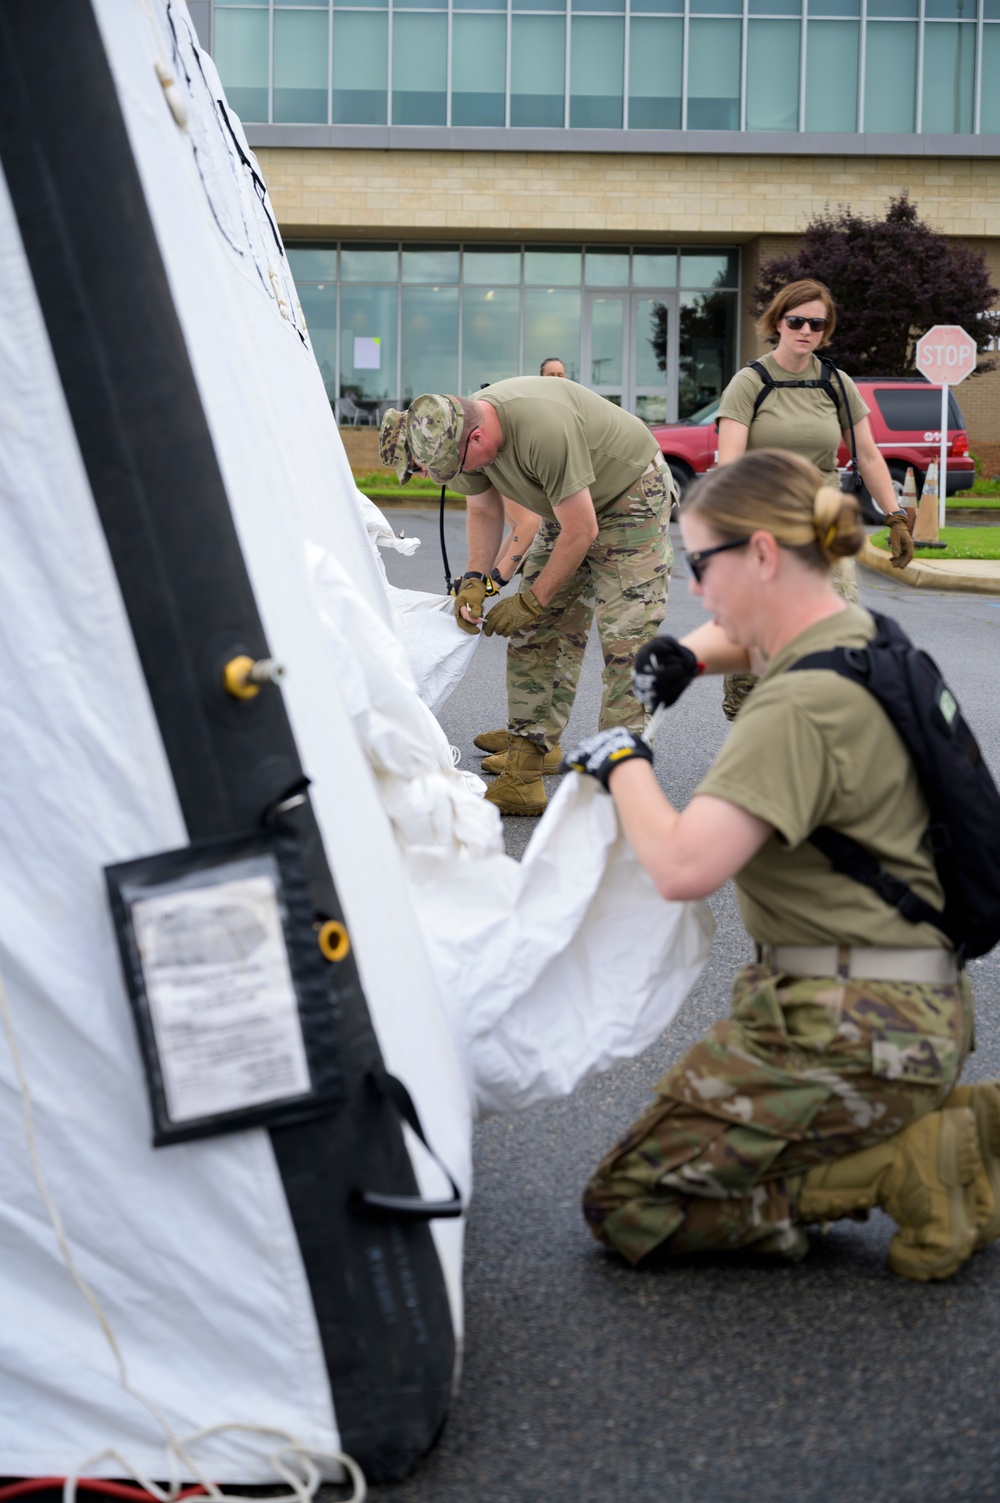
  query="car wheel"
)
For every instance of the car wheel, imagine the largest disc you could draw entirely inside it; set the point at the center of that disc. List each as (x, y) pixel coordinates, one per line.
(682, 474)
(898, 472)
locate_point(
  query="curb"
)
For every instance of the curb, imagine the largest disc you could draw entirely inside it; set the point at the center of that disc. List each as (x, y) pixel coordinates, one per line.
(928, 576)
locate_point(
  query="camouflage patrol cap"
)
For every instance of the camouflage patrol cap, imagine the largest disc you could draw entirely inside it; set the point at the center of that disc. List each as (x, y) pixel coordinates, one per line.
(392, 448)
(434, 431)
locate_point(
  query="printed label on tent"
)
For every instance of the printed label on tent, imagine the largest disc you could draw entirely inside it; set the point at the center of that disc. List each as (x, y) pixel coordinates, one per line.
(367, 353)
(221, 997)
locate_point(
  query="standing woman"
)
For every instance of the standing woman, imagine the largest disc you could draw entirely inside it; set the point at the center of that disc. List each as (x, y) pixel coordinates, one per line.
(807, 420)
(831, 1087)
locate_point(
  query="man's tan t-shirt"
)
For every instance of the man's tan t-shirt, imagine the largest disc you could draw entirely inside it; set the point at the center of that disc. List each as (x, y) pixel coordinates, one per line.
(802, 419)
(558, 437)
(809, 749)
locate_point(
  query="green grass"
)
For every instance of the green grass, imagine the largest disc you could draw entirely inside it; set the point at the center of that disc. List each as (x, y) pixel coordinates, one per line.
(963, 542)
(383, 483)
(976, 500)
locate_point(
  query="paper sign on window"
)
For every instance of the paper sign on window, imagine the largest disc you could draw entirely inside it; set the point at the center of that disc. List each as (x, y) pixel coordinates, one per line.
(367, 353)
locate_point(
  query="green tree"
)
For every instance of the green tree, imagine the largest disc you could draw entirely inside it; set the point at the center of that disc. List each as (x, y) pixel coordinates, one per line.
(892, 279)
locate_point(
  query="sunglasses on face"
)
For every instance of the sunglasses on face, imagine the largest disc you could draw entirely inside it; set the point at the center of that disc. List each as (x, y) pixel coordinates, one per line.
(696, 561)
(795, 321)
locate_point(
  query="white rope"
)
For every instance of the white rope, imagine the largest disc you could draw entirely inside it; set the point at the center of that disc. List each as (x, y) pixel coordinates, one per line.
(302, 1485)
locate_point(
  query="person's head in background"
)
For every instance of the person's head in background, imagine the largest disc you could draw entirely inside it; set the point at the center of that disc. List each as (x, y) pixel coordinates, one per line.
(552, 366)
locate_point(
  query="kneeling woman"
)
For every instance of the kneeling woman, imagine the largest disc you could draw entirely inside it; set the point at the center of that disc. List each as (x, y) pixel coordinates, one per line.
(831, 1086)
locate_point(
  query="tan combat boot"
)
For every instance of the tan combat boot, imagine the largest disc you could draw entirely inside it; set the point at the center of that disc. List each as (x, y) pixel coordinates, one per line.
(519, 788)
(492, 741)
(924, 1177)
(984, 1101)
(498, 761)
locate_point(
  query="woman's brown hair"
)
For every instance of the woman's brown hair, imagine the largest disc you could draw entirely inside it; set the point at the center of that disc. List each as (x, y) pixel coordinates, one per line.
(793, 296)
(771, 490)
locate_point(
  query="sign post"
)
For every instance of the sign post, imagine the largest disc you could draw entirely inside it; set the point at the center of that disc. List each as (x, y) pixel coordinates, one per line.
(946, 354)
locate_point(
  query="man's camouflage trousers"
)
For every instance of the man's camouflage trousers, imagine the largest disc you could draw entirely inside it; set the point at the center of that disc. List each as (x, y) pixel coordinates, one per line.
(623, 581)
(736, 686)
(803, 1071)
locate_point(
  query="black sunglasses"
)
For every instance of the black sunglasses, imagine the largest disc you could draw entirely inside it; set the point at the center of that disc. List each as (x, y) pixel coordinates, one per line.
(795, 321)
(696, 561)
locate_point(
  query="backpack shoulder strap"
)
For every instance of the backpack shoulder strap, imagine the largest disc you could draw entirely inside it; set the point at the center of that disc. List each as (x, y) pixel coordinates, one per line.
(767, 384)
(832, 372)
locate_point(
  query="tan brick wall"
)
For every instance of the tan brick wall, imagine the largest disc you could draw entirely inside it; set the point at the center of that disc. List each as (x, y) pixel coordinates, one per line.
(319, 191)
(361, 445)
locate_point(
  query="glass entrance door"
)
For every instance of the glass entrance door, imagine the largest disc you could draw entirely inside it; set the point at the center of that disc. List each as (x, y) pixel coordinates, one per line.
(605, 338)
(653, 363)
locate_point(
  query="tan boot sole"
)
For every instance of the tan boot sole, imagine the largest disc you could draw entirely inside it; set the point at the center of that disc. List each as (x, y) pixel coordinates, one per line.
(524, 798)
(498, 762)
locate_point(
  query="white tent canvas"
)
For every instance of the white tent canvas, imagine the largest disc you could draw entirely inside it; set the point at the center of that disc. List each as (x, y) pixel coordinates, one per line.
(191, 1250)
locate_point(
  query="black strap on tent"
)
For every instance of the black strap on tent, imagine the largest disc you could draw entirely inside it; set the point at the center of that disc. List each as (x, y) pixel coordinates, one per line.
(378, 1203)
(159, 493)
(769, 384)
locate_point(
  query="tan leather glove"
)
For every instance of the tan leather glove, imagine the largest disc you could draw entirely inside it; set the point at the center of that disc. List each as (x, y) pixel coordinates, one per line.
(471, 592)
(900, 541)
(511, 614)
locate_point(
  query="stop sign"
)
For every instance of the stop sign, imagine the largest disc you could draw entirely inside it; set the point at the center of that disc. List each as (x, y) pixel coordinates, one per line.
(946, 354)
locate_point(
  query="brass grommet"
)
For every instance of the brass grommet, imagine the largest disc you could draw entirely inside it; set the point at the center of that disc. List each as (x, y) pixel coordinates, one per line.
(333, 940)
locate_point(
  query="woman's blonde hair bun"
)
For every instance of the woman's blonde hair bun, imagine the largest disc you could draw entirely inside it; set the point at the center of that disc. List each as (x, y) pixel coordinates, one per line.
(837, 523)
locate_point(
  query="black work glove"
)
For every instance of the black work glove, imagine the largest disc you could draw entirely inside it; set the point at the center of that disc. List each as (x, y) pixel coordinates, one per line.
(662, 670)
(599, 755)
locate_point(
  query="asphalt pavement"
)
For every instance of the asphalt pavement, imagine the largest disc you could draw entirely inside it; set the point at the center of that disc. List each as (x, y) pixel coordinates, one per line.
(712, 1380)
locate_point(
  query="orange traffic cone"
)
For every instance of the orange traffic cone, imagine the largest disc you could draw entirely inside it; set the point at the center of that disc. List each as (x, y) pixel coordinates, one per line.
(908, 500)
(925, 532)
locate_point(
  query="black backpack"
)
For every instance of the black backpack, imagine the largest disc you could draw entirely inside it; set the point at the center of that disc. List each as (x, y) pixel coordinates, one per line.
(964, 829)
(830, 371)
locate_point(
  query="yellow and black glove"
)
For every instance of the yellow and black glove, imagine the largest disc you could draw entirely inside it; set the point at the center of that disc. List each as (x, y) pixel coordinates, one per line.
(900, 541)
(471, 592)
(599, 755)
(510, 615)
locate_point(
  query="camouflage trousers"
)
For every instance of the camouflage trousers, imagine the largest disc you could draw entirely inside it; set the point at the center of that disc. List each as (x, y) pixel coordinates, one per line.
(623, 581)
(736, 686)
(804, 1070)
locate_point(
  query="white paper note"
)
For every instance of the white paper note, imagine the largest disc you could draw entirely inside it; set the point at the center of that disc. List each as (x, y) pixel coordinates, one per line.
(220, 992)
(367, 353)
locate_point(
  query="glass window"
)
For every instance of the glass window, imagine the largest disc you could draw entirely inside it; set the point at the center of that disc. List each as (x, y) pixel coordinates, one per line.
(605, 5)
(914, 410)
(606, 268)
(714, 75)
(538, 5)
(430, 263)
(430, 340)
(775, 7)
(654, 269)
(597, 71)
(707, 348)
(312, 265)
(478, 69)
(319, 304)
(656, 56)
(367, 336)
(552, 327)
(550, 266)
(369, 263)
(651, 342)
(490, 343)
(300, 4)
(219, 3)
(240, 54)
(991, 10)
(537, 70)
(709, 268)
(360, 68)
(892, 54)
(419, 70)
(773, 75)
(949, 79)
(905, 8)
(834, 7)
(716, 7)
(301, 47)
(950, 10)
(420, 4)
(480, 5)
(495, 265)
(990, 108)
(667, 7)
(832, 76)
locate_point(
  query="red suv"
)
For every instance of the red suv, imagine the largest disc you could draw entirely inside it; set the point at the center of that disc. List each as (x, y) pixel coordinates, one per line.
(905, 412)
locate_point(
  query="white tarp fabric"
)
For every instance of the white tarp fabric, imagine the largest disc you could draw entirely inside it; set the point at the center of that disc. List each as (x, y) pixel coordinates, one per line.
(191, 1250)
